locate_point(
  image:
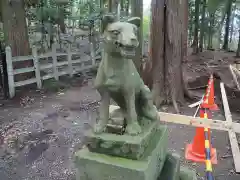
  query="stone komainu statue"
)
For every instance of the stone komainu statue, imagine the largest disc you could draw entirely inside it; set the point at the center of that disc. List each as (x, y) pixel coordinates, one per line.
(117, 77)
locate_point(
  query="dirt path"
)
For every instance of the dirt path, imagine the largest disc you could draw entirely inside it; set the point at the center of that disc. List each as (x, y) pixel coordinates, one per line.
(51, 128)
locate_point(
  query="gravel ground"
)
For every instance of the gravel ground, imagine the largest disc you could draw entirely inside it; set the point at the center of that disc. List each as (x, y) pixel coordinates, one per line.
(41, 134)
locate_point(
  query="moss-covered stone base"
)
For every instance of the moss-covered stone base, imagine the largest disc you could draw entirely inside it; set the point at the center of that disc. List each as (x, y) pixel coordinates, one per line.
(187, 174)
(97, 166)
(126, 146)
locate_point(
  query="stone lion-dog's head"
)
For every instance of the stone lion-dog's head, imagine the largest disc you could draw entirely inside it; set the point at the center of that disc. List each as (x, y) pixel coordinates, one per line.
(120, 37)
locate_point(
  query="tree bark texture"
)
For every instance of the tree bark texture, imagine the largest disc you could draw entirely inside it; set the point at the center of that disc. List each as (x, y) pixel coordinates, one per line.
(15, 34)
(190, 21)
(115, 6)
(156, 64)
(185, 16)
(196, 27)
(227, 25)
(219, 31)
(238, 49)
(232, 23)
(174, 52)
(127, 7)
(15, 27)
(168, 50)
(60, 21)
(202, 30)
(190, 35)
(122, 13)
(210, 31)
(110, 5)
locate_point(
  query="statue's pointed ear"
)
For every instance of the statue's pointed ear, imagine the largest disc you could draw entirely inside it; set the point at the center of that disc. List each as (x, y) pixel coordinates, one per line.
(135, 20)
(107, 19)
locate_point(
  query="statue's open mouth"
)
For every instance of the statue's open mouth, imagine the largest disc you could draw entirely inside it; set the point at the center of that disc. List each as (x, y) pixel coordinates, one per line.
(127, 51)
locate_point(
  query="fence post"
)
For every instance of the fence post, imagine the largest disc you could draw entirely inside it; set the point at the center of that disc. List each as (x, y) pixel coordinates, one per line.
(92, 54)
(54, 58)
(69, 57)
(36, 67)
(11, 83)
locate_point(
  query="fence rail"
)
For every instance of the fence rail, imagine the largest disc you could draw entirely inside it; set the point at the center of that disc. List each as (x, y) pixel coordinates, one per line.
(55, 65)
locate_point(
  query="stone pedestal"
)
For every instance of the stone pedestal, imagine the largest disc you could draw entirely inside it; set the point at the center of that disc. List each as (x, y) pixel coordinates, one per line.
(99, 166)
(130, 147)
(123, 157)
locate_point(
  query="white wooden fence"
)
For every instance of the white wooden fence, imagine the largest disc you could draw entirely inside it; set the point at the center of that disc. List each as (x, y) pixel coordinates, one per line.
(55, 65)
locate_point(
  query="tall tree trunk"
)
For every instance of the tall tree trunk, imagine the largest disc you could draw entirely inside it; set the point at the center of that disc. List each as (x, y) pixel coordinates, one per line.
(210, 31)
(118, 9)
(202, 25)
(232, 23)
(168, 44)
(115, 6)
(190, 22)
(61, 22)
(190, 37)
(110, 5)
(122, 13)
(137, 11)
(185, 23)
(127, 7)
(101, 7)
(226, 36)
(238, 49)
(220, 31)
(92, 36)
(156, 81)
(15, 33)
(15, 27)
(196, 23)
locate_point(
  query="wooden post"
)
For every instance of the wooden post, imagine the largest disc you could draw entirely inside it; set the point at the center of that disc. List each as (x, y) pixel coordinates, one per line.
(231, 133)
(194, 121)
(92, 54)
(234, 76)
(69, 57)
(11, 83)
(54, 59)
(118, 11)
(36, 67)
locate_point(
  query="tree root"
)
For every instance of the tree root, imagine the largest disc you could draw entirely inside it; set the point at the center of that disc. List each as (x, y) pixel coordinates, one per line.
(162, 101)
(199, 87)
(175, 105)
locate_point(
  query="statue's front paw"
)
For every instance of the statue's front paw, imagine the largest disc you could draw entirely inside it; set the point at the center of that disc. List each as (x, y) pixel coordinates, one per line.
(133, 129)
(99, 127)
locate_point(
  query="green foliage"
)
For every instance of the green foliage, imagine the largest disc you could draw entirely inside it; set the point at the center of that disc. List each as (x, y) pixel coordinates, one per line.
(52, 85)
(89, 13)
(146, 26)
(215, 19)
(51, 14)
(214, 5)
(52, 10)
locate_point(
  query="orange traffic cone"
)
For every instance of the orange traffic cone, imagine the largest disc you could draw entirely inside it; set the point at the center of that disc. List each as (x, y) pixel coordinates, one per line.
(208, 101)
(196, 151)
